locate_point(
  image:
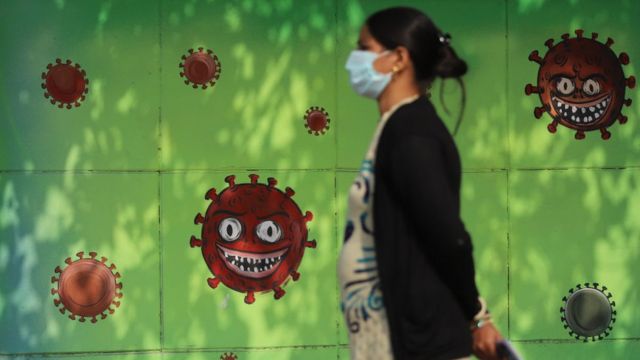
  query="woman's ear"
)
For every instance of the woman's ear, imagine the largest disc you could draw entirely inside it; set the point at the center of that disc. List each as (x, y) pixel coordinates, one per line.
(403, 58)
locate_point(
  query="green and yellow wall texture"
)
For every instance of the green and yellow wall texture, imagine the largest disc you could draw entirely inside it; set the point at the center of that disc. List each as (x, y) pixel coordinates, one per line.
(124, 173)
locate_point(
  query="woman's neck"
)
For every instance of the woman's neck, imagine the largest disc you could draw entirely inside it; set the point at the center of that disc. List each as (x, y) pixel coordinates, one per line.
(394, 94)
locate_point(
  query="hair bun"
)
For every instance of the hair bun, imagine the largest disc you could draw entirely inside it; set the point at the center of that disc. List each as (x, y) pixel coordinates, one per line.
(450, 65)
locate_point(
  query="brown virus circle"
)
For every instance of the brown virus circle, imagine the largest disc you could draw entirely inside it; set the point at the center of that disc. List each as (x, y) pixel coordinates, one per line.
(581, 84)
(66, 84)
(200, 68)
(316, 120)
(87, 287)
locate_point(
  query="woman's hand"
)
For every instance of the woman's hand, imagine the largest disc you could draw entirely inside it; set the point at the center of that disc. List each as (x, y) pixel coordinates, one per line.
(485, 339)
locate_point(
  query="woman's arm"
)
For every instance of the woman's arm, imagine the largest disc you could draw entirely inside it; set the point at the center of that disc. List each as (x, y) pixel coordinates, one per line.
(419, 180)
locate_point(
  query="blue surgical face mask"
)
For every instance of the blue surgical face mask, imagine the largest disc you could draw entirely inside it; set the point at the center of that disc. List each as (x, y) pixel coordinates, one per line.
(364, 79)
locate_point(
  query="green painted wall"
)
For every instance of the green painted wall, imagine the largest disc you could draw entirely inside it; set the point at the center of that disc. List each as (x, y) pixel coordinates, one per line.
(125, 173)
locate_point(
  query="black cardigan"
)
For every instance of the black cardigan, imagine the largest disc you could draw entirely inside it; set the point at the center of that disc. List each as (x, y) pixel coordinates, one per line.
(424, 252)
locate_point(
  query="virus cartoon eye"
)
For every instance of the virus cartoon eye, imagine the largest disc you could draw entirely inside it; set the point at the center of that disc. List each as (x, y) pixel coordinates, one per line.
(268, 231)
(565, 86)
(230, 229)
(591, 87)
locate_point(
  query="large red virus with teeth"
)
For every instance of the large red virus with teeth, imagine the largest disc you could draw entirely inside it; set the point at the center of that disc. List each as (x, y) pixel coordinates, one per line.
(581, 84)
(253, 237)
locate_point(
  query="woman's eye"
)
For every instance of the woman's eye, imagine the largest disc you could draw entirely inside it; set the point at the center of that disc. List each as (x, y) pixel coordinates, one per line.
(565, 86)
(230, 229)
(268, 231)
(591, 87)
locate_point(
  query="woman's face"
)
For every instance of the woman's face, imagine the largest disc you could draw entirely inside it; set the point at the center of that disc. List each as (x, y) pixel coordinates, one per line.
(383, 64)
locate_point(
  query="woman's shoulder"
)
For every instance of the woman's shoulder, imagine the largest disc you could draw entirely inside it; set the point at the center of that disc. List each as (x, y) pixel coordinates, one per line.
(418, 118)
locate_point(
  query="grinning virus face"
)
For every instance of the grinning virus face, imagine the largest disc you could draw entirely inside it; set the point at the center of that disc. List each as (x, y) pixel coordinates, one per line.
(581, 84)
(253, 237)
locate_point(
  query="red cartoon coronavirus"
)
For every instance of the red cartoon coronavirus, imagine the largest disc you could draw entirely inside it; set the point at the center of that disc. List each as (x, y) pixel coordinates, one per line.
(65, 84)
(581, 84)
(200, 68)
(316, 120)
(253, 237)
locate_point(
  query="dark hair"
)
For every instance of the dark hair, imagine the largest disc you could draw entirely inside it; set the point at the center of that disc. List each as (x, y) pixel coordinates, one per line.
(429, 47)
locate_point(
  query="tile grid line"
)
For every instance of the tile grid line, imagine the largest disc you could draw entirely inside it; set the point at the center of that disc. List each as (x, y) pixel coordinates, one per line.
(160, 234)
(506, 85)
(335, 165)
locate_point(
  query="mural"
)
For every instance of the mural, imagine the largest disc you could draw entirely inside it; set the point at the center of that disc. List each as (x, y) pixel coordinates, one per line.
(316, 120)
(87, 287)
(200, 68)
(581, 84)
(65, 84)
(588, 312)
(253, 237)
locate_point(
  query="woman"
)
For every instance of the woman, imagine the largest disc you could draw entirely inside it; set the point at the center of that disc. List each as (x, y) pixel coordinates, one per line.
(408, 289)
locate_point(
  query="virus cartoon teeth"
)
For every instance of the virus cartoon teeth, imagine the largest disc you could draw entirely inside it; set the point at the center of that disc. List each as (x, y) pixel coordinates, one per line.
(253, 237)
(581, 84)
(65, 84)
(200, 68)
(87, 287)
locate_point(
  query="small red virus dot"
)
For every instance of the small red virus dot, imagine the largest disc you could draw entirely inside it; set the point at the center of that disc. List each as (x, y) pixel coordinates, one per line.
(65, 84)
(200, 68)
(316, 120)
(228, 356)
(87, 287)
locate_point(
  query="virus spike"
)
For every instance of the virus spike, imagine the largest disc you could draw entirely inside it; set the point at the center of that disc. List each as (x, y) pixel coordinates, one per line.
(565, 36)
(211, 195)
(609, 42)
(552, 127)
(58, 270)
(535, 56)
(624, 58)
(111, 311)
(116, 303)
(68, 261)
(538, 111)
(56, 302)
(594, 35)
(278, 292)
(93, 255)
(62, 310)
(580, 135)
(54, 279)
(103, 259)
(289, 192)
(249, 298)
(199, 219)
(606, 135)
(530, 89)
(295, 275)
(231, 180)
(310, 244)
(627, 102)
(254, 178)
(308, 216)
(195, 242)
(272, 182)
(631, 82)
(103, 316)
(549, 43)
(622, 118)
(72, 316)
(579, 33)
(54, 291)
(94, 320)
(81, 319)
(213, 282)
(112, 267)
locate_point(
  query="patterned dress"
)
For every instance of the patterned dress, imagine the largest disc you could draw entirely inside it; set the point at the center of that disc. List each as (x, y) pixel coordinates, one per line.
(361, 297)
